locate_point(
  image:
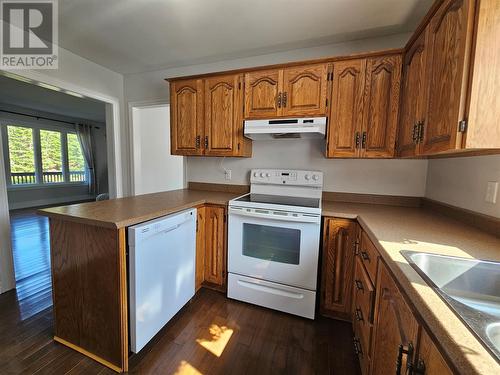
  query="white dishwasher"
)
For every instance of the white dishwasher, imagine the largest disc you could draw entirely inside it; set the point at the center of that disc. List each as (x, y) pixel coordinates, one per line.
(161, 272)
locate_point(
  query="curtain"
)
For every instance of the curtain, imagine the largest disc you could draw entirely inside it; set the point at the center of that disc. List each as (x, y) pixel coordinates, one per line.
(84, 133)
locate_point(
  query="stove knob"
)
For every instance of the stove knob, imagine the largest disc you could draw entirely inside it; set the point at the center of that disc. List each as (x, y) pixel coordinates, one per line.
(262, 174)
(268, 174)
(255, 174)
(315, 177)
(307, 177)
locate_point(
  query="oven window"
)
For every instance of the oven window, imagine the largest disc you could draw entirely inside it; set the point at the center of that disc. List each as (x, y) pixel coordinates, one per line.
(271, 243)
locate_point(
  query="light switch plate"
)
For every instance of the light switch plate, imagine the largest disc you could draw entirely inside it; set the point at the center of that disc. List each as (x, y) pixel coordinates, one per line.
(227, 174)
(491, 192)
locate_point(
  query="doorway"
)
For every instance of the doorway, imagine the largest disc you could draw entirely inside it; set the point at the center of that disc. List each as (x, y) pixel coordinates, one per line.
(154, 169)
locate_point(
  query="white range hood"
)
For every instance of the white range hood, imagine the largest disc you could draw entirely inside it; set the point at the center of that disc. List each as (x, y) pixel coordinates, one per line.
(309, 127)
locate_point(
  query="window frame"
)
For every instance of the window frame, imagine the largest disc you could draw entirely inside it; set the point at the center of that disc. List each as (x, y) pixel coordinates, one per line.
(36, 127)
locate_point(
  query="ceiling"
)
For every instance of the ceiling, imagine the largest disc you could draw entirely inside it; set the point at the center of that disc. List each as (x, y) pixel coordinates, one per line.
(131, 36)
(31, 96)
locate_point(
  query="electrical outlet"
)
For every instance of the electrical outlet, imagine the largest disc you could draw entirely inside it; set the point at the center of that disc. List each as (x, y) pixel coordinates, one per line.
(227, 174)
(491, 192)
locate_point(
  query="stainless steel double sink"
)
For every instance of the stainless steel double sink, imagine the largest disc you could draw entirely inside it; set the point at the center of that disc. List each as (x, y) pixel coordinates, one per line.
(470, 287)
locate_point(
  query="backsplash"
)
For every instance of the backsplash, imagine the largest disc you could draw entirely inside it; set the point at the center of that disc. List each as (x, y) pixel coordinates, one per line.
(375, 176)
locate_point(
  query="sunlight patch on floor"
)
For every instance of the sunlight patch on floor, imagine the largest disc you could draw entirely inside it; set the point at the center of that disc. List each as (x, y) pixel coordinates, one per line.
(220, 336)
(186, 369)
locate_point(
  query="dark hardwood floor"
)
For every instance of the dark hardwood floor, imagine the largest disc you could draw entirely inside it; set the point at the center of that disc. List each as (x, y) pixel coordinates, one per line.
(211, 335)
(31, 253)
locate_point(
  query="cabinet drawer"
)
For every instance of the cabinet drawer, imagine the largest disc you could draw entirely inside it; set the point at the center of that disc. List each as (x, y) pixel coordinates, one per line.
(369, 256)
(364, 294)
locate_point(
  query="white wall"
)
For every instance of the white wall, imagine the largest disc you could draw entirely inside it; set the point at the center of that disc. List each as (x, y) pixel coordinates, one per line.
(386, 177)
(154, 169)
(462, 182)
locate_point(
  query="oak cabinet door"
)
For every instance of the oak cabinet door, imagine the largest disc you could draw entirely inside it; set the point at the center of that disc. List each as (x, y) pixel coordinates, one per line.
(383, 79)
(346, 110)
(223, 107)
(338, 267)
(414, 96)
(449, 36)
(261, 93)
(215, 235)
(430, 358)
(200, 247)
(396, 329)
(304, 90)
(186, 113)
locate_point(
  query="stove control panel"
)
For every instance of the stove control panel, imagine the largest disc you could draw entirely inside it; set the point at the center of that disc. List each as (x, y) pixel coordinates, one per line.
(286, 177)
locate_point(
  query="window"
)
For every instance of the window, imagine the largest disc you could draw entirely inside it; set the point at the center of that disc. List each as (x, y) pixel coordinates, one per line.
(43, 156)
(21, 155)
(76, 162)
(50, 145)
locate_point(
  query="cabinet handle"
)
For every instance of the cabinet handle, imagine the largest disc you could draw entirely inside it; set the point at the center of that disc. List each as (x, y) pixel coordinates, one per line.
(279, 100)
(357, 347)
(206, 141)
(415, 133)
(365, 255)
(409, 356)
(284, 99)
(359, 285)
(357, 139)
(197, 141)
(363, 141)
(421, 131)
(358, 314)
(420, 368)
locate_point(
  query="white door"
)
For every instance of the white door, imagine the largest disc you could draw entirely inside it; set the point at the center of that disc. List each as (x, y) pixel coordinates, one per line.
(154, 169)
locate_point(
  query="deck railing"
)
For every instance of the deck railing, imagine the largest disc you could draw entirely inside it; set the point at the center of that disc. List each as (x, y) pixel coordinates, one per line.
(25, 178)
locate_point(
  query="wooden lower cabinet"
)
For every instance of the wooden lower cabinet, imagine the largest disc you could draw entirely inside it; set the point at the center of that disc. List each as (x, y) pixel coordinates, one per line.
(396, 329)
(339, 246)
(215, 245)
(210, 247)
(429, 360)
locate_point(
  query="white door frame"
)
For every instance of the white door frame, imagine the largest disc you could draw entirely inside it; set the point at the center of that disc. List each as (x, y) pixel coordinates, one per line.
(135, 148)
(116, 183)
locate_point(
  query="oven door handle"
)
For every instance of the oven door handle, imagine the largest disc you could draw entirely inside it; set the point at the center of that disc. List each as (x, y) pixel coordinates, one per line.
(301, 218)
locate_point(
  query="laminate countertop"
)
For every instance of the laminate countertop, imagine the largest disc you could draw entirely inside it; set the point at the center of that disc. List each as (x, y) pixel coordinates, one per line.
(391, 229)
(124, 212)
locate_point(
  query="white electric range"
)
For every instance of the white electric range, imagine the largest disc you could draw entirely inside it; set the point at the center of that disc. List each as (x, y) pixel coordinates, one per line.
(273, 241)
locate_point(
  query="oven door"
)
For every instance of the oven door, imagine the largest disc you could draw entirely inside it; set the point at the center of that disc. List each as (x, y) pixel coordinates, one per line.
(274, 245)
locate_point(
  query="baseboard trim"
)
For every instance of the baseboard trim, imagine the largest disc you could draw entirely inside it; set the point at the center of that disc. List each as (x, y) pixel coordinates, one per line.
(88, 354)
(486, 223)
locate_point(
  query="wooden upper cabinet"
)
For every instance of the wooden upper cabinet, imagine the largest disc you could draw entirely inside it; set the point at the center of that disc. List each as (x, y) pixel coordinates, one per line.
(186, 131)
(450, 33)
(346, 110)
(382, 87)
(338, 267)
(304, 90)
(215, 245)
(414, 96)
(223, 114)
(429, 357)
(261, 93)
(290, 92)
(396, 329)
